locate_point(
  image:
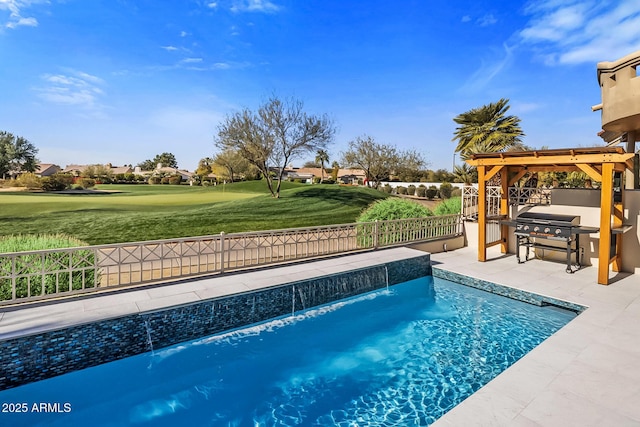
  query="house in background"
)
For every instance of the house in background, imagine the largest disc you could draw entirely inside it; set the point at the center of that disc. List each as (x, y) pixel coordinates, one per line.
(167, 171)
(120, 170)
(345, 176)
(46, 169)
(76, 170)
(352, 176)
(302, 174)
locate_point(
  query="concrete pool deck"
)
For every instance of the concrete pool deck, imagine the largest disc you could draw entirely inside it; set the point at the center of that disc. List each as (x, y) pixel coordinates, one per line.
(586, 374)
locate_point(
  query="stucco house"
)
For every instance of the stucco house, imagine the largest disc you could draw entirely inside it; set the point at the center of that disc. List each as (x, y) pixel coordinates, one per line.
(46, 169)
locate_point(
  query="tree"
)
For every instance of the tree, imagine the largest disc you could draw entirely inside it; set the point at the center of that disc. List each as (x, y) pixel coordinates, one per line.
(233, 162)
(204, 167)
(335, 168)
(311, 164)
(465, 174)
(378, 160)
(167, 160)
(101, 173)
(487, 129)
(16, 155)
(272, 136)
(408, 169)
(322, 157)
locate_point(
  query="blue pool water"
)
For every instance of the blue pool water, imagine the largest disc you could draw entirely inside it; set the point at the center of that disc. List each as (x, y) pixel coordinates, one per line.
(402, 356)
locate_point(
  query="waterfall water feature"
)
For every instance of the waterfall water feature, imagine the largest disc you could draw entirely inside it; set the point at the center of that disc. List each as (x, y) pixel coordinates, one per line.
(386, 276)
(302, 301)
(149, 340)
(293, 300)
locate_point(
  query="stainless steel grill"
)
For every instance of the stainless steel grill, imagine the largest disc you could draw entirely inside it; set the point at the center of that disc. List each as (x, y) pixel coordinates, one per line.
(531, 227)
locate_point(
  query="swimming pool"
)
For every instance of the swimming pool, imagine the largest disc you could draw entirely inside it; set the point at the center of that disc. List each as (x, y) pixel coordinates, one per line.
(402, 356)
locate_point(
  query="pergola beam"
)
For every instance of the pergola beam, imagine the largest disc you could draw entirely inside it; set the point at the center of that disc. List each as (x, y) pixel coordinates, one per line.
(591, 171)
(521, 172)
(558, 160)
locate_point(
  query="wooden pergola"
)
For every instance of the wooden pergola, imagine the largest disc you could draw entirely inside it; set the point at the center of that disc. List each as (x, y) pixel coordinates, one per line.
(601, 164)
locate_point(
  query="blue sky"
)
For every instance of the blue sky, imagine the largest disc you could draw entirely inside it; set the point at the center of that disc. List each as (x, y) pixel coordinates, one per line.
(96, 81)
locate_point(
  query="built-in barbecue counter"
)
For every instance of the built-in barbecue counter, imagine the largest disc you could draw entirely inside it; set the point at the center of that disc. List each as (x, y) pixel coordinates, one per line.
(532, 229)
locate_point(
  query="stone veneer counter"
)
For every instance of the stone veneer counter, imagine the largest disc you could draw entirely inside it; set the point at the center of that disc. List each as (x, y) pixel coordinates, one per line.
(50, 339)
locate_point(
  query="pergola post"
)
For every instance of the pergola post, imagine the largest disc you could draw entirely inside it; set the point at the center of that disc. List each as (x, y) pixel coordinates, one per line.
(618, 220)
(606, 209)
(504, 209)
(482, 214)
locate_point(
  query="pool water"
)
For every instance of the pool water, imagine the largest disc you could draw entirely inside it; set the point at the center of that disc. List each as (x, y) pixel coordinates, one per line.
(402, 356)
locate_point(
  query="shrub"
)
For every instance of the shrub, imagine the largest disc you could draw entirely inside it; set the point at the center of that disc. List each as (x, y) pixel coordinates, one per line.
(316, 180)
(29, 181)
(164, 180)
(431, 192)
(388, 232)
(328, 181)
(421, 191)
(386, 189)
(411, 190)
(456, 192)
(449, 206)
(57, 182)
(86, 182)
(401, 190)
(445, 190)
(174, 179)
(393, 208)
(56, 278)
(155, 180)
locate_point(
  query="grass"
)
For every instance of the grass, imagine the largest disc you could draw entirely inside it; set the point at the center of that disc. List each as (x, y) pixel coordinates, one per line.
(144, 212)
(47, 274)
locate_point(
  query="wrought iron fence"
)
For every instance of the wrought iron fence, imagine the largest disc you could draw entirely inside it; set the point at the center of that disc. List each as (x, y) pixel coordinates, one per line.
(529, 196)
(517, 196)
(44, 274)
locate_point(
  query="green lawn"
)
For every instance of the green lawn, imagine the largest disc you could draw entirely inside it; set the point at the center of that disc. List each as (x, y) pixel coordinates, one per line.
(146, 212)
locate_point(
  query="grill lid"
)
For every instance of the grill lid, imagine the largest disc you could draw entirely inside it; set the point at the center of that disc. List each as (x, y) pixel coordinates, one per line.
(547, 218)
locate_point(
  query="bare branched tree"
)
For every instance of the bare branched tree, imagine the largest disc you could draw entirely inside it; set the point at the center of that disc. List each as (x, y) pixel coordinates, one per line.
(379, 161)
(273, 136)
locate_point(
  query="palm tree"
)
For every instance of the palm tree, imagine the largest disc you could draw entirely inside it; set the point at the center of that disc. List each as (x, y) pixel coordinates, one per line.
(335, 168)
(465, 174)
(487, 129)
(322, 157)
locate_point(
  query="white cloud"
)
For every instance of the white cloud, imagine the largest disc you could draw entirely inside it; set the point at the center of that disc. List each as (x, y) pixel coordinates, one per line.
(72, 88)
(465, 18)
(264, 6)
(487, 20)
(16, 9)
(212, 5)
(191, 60)
(221, 66)
(169, 48)
(487, 71)
(572, 32)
